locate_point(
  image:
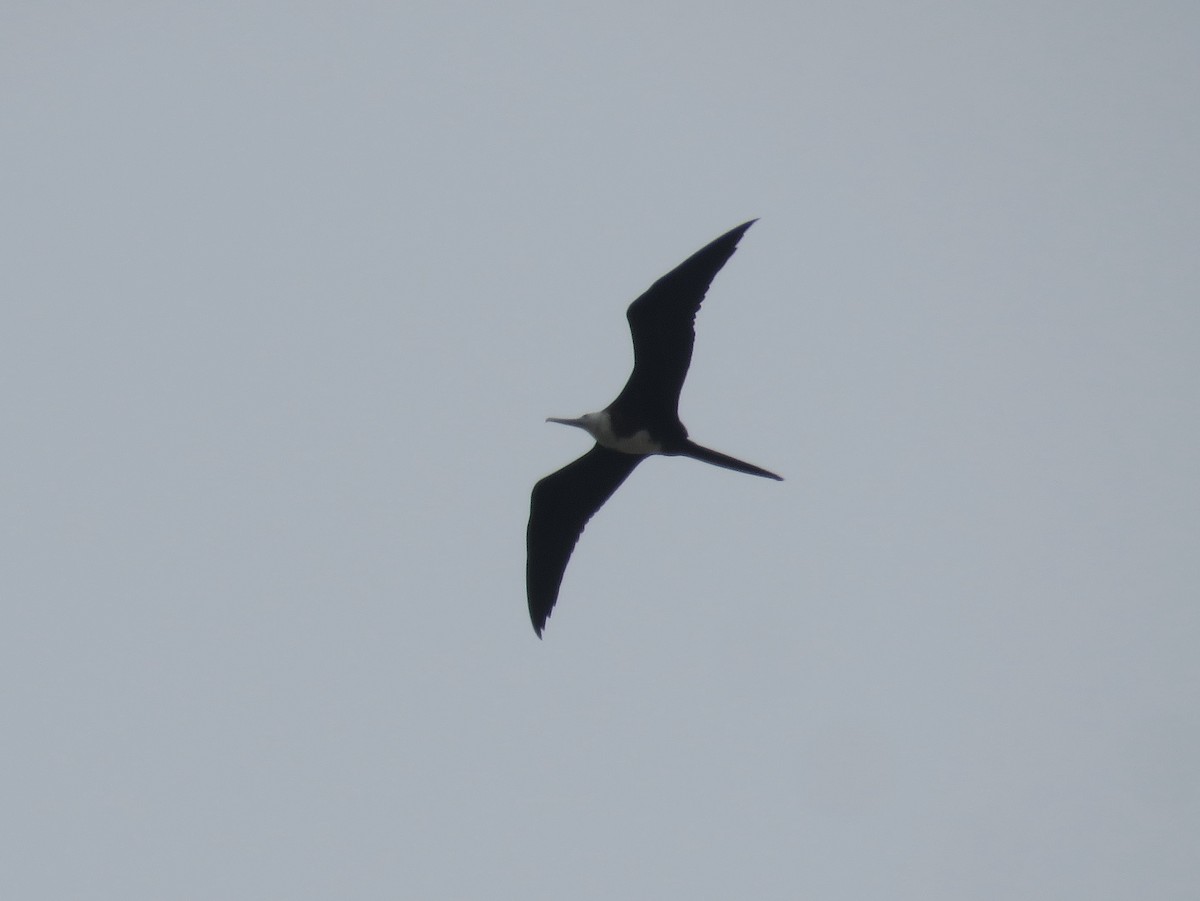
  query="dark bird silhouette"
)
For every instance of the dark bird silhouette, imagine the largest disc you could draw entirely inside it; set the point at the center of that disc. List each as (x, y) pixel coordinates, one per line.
(643, 420)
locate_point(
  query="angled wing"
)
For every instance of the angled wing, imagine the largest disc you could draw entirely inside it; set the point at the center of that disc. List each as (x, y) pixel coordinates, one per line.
(561, 505)
(662, 322)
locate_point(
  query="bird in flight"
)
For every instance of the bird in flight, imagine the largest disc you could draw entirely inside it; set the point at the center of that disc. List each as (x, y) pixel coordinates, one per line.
(643, 420)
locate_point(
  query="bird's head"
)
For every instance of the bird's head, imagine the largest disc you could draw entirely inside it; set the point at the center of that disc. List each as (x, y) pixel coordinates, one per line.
(592, 423)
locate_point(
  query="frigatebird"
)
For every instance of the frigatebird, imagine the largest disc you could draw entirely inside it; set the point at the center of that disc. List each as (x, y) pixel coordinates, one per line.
(643, 420)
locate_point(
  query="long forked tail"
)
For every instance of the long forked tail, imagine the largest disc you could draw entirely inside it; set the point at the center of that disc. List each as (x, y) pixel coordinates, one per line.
(696, 452)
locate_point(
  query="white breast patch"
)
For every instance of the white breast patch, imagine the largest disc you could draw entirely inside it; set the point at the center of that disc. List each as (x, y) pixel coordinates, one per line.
(637, 443)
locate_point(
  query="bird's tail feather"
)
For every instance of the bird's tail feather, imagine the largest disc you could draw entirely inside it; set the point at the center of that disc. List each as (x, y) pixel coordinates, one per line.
(696, 452)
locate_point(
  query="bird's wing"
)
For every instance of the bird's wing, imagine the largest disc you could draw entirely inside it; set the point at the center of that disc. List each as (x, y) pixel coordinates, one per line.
(559, 508)
(662, 322)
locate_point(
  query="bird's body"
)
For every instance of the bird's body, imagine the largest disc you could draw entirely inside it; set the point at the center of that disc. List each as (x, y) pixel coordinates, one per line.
(631, 440)
(643, 420)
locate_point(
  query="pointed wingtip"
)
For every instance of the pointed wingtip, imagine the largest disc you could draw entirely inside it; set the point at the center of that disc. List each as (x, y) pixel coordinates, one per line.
(539, 623)
(738, 231)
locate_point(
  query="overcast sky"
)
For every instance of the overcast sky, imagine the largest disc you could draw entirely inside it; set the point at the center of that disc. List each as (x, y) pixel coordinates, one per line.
(287, 292)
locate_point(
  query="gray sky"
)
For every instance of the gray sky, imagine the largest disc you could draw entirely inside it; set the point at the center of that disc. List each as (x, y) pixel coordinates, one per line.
(288, 292)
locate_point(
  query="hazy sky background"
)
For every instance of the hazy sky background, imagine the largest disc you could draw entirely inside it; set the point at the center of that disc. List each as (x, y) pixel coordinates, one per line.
(287, 292)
